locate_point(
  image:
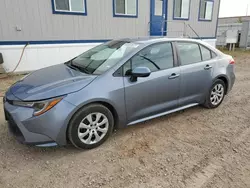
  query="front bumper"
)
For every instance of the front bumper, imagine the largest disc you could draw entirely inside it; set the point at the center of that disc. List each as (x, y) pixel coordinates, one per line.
(44, 130)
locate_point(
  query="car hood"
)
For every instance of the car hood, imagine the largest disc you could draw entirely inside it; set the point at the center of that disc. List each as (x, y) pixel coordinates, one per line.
(50, 82)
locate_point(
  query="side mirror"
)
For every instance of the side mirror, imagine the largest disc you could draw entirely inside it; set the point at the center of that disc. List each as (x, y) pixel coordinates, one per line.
(1, 58)
(139, 72)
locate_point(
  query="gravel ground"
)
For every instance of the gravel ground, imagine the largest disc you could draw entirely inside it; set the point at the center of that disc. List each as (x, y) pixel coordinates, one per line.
(193, 148)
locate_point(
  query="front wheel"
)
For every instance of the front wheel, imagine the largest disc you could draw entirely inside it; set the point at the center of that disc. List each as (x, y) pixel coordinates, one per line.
(216, 94)
(90, 126)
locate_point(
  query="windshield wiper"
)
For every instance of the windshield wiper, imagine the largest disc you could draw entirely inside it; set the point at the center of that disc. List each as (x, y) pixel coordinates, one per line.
(72, 67)
(83, 70)
(150, 61)
(79, 68)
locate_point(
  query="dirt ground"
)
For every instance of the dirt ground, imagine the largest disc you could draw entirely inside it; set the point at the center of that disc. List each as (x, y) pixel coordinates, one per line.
(193, 148)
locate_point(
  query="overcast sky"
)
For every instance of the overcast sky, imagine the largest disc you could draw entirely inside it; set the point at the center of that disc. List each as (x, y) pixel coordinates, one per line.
(234, 8)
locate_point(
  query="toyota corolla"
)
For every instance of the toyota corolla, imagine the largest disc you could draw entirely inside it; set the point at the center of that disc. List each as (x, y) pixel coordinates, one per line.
(116, 84)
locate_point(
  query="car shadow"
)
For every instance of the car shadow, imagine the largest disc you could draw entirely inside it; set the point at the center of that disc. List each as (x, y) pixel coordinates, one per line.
(155, 122)
(12, 146)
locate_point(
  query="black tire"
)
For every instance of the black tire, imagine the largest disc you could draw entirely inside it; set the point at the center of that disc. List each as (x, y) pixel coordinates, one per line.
(78, 118)
(208, 102)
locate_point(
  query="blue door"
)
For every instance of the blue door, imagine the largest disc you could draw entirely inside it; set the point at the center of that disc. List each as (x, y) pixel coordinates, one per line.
(158, 12)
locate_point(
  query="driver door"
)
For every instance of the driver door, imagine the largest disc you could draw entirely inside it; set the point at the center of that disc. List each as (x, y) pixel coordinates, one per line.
(154, 94)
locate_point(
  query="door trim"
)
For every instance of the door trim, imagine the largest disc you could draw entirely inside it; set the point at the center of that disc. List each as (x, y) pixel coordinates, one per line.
(164, 113)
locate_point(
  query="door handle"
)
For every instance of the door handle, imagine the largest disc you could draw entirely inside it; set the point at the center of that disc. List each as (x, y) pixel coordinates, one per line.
(207, 67)
(173, 76)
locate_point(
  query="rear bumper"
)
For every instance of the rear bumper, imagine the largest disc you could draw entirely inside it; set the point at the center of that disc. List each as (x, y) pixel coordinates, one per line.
(231, 82)
(45, 130)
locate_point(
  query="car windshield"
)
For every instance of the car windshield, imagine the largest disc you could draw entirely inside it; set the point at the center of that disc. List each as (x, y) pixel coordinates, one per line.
(103, 57)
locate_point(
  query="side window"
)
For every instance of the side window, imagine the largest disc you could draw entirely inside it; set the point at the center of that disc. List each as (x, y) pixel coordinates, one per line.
(206, 53)
(155, 57)
(127, 68)
(206, 10)
(189, 53)
(213, 55)
(125, 8)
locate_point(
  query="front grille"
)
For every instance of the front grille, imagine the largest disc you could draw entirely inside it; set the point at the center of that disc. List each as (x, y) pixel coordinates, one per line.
(13, 127)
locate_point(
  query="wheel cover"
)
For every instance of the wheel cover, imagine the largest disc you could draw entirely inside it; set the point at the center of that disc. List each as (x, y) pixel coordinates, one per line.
(93, 128)
(217, 94)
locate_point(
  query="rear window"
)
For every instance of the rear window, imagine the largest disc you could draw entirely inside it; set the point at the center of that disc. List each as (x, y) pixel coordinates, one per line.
(213, 54)
(189, 53)
(206, 53)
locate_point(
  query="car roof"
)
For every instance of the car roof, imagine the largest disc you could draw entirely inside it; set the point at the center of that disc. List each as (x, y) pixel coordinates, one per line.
(147, 40)
(151, 40)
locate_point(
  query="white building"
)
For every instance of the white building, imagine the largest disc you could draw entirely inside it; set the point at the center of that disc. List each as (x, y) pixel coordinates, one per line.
(57, 30)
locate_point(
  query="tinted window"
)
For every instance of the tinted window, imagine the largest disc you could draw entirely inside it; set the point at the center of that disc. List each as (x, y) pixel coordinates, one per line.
(189, 53)
(206, 53)
(155, 57)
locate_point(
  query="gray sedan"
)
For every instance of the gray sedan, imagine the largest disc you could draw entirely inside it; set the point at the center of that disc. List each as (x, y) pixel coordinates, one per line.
(116, 84)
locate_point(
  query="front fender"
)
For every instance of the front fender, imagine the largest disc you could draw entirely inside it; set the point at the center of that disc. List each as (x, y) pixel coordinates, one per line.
(120, 111)
(99, 92)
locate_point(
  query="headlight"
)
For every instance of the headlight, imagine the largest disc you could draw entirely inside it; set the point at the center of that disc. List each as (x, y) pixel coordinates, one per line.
(39, 107)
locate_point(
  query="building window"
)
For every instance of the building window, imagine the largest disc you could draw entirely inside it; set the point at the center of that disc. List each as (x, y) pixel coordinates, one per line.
(125, 8)
(206, 10)
(181, 9)
(69, 7)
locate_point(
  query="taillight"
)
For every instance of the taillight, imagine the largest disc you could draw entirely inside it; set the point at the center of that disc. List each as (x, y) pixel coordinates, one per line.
(232, 62)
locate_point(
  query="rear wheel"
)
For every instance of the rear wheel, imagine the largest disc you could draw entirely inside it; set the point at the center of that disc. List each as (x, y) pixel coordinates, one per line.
(90, 126)
(216, 94)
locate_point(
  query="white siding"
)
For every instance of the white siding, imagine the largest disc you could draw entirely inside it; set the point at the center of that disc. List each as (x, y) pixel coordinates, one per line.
(203, 28)
(37, 21)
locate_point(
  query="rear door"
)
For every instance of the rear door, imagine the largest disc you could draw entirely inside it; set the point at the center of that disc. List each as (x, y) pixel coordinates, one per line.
(157, 93)
(196, 69)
